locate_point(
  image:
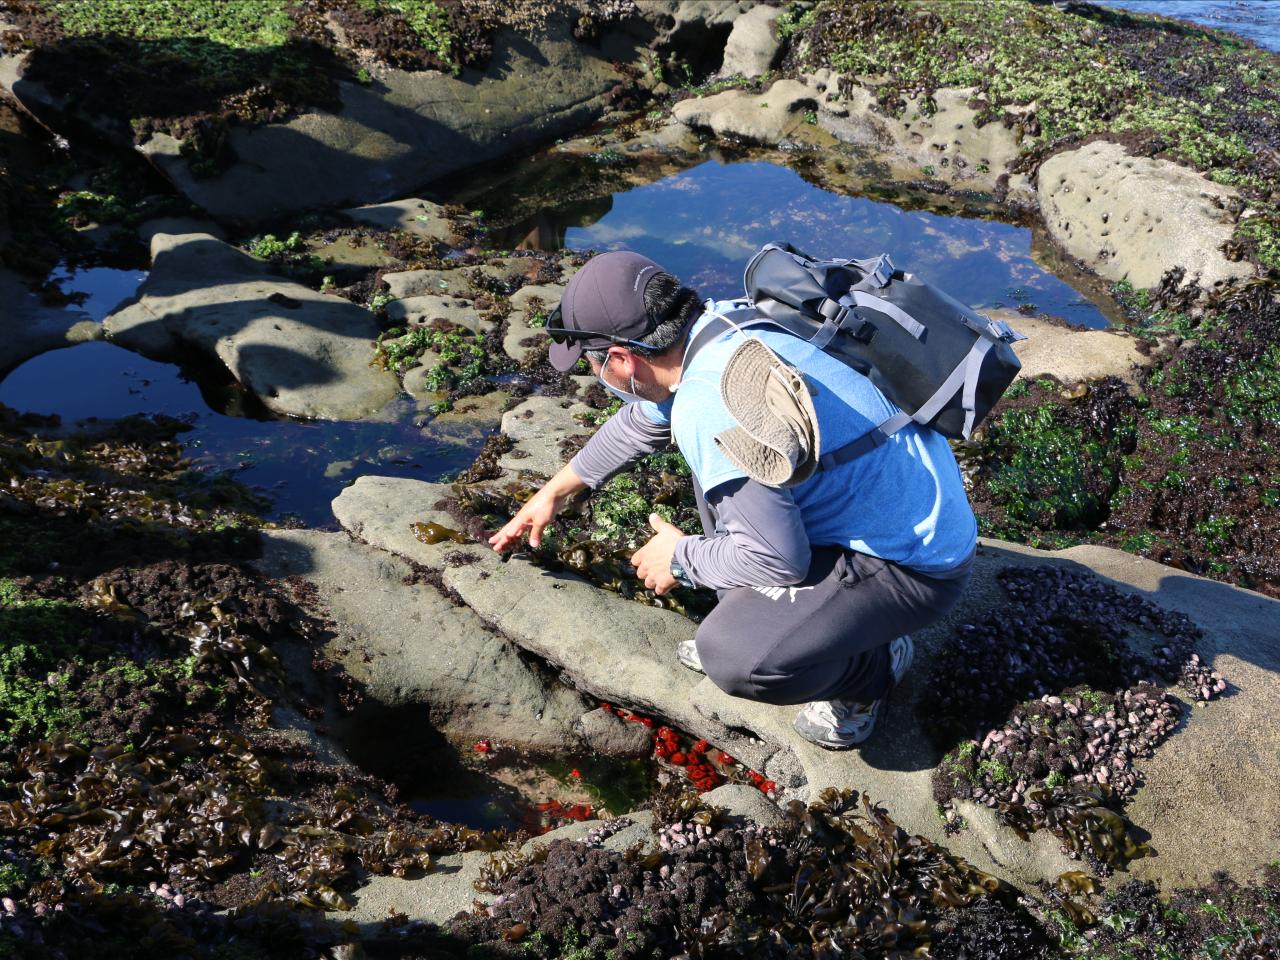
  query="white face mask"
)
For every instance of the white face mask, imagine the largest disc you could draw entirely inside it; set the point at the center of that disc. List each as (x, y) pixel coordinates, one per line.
(622, 395)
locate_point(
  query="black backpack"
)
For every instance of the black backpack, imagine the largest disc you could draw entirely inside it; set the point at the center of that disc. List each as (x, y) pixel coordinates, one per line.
(940, 362)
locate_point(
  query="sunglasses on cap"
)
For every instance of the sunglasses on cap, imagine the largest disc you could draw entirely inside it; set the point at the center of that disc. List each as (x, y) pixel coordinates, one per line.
(557, 331)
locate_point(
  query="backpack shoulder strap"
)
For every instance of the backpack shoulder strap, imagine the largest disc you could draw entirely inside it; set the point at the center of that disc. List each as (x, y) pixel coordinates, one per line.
(720, 323)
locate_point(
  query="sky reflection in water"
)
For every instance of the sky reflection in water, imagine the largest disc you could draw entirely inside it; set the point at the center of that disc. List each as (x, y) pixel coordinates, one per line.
(704, 223)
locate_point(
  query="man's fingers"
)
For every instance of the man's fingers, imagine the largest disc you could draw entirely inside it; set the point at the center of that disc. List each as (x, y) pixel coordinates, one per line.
(503, 538)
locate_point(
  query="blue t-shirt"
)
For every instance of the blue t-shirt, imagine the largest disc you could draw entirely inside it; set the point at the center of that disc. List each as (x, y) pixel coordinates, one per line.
(904, 501)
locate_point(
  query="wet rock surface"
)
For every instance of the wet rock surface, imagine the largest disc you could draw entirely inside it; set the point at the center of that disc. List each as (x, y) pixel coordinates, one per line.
(405, 645)
(300, 352)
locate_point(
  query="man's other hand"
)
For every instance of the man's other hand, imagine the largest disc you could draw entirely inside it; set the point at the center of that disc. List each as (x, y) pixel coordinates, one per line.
(653, 560)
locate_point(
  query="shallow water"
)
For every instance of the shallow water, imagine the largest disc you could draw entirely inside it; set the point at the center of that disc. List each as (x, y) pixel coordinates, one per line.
(301, 465)
(1256, 20)
(704, 223)
(104, 288)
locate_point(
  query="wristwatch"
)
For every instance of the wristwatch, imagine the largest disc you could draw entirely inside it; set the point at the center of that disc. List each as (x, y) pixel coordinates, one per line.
(679, 573)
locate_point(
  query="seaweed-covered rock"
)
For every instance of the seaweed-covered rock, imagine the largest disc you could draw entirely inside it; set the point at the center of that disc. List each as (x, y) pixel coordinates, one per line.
(988, 930)
(302, 353)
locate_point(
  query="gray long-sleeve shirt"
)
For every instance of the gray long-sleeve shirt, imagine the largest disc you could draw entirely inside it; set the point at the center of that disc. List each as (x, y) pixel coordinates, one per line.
(764, 543)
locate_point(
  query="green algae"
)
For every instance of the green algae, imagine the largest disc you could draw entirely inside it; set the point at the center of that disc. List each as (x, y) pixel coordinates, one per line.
(1050, 473)
(239, 24)
(1183, 469)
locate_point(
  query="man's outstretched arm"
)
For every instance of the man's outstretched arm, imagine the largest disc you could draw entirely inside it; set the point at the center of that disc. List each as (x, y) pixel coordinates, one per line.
(623, 439)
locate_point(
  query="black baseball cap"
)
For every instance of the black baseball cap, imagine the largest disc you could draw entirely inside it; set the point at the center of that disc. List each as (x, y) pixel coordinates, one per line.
(603, 305)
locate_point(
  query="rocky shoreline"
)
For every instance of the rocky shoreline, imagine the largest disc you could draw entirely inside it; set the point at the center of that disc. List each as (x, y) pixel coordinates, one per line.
(215, 727)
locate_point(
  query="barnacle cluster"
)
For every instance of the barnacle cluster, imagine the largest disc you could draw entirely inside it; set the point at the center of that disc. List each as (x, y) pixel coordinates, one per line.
(1053, 699)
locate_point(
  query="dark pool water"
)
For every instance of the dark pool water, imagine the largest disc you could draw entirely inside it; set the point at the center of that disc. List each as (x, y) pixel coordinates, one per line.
(104, 288)
(1256, 20)
(704, 223)
(301, 465)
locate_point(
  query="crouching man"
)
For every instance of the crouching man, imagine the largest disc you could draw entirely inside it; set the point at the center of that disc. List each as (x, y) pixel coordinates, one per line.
(822, 573)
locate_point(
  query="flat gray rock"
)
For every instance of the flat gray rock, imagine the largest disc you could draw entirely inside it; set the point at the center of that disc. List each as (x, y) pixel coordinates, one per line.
(1133, 218)
(537, 425)
(422, 310)
(745, 804)
(765, 118)
(406, 644)
(443, 892)
(404, 284)
(302, 353)
(1071, 354)
(413, 215)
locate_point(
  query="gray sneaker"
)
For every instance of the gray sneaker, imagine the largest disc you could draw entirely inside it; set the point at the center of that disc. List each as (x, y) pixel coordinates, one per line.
(840, 724)
(687, 653)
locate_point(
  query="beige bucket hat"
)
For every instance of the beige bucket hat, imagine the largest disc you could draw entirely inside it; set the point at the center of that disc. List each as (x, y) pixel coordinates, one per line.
(776, 441)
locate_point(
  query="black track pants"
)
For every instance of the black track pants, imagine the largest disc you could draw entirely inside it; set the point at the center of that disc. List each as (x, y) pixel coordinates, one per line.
(825, 638)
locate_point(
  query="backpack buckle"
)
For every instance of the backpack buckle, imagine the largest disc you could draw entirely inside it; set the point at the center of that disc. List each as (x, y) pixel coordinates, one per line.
(841, 316)
(883, 272)
(1003, 332)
